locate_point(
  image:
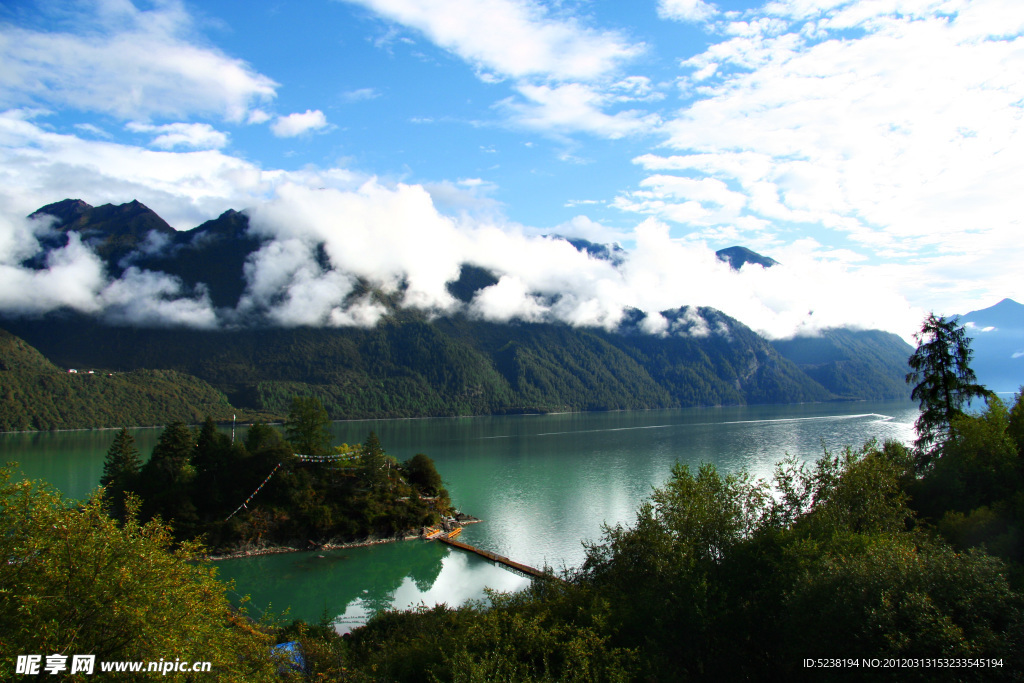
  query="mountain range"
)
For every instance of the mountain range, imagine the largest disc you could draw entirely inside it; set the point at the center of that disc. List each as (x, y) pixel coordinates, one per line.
(997, 340)
(415, 364)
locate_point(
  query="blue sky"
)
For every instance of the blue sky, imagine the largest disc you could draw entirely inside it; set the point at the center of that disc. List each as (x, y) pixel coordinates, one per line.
(874, 148)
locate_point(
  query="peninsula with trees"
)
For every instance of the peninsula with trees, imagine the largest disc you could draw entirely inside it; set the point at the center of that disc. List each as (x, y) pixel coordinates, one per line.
(270, 489)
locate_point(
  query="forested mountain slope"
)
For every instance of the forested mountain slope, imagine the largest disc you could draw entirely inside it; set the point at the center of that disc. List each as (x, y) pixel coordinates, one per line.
(36, 395)
(452, 366)
(856, 364)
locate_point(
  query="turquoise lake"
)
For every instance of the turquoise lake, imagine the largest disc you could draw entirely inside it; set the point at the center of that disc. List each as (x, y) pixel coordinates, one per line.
(542, 484)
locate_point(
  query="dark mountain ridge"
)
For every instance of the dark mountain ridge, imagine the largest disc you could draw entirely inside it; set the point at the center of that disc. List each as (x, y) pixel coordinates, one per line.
(112, 231)
(737, 257)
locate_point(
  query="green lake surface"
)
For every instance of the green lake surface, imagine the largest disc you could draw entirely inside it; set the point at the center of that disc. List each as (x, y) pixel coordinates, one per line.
(542, 484)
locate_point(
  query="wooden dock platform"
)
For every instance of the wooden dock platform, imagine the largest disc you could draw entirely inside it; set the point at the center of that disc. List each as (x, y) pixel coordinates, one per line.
(500, 559)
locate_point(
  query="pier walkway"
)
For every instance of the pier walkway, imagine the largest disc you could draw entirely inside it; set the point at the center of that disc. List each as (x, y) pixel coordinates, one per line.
(500, 559)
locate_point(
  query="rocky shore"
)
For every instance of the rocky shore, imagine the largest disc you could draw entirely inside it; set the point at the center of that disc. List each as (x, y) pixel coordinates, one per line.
(332, 544)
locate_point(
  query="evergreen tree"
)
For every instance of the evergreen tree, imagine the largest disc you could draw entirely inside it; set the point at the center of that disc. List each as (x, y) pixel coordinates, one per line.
(165, 481)
(421, 472)
(943, 381)
(122, 461)
(211, 447)
(375, 462)
(172, 455)
(261, 437)
(308, 427)
(212, 462)
(120, 471)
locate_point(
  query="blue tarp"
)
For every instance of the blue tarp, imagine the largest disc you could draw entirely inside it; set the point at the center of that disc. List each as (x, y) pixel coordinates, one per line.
(292, 652)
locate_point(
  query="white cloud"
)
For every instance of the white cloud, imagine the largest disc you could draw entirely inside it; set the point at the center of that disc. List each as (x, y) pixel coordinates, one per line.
(574, 107)
(130, 63)
(95, 131)
(72, 278)
(466, 197)
(258, 116)
(686, 10)
(38, 167)
(289, 287)
(361, 95)
(512, 38)
(296, 124)
(142, 297)
(901, 140)
(564, 71)
(190, 135)
(386, 236)
(635, 89)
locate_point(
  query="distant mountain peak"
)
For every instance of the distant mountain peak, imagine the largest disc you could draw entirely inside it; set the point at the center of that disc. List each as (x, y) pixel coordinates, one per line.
(737, 257)
(1007, 314)
(112, 230)
(1005, 307)
(65, 211)
(133, 217)
(230, 224)
(997, 340)
(612, 253)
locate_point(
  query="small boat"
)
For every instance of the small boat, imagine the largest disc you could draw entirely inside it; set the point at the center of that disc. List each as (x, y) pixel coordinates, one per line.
(455, 532)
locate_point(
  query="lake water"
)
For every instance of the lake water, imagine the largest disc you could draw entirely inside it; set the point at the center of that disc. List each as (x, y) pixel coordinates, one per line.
(542, 485)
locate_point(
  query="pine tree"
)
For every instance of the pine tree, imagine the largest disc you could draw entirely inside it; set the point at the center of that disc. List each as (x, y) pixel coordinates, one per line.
(421, 472)
(212, 448)
(308, 427)
(122, 459)
(165, 483)
(211, 460)
(376, 465)
(172, 456)
(943, 382)
(120, 471)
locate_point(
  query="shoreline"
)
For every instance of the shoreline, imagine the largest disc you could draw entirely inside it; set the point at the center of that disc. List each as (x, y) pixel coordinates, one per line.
(329, 545)
(483, 415)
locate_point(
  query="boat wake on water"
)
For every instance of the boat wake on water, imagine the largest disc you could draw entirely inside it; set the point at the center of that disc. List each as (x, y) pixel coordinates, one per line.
(859, 416)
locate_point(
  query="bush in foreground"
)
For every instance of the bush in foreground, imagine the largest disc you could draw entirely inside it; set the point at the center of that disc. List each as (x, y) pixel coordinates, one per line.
(72, 581)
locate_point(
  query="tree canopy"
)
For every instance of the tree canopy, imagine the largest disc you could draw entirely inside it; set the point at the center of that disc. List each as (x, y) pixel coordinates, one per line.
(308, 428)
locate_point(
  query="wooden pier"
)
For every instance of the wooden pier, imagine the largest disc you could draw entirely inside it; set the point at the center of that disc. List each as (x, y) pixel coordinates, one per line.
(500, 559)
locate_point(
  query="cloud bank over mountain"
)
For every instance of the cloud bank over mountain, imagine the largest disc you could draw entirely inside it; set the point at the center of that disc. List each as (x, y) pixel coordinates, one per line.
(318, 249)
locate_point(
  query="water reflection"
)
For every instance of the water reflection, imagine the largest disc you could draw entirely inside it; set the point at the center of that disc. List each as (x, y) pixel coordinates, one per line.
(351, 584)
